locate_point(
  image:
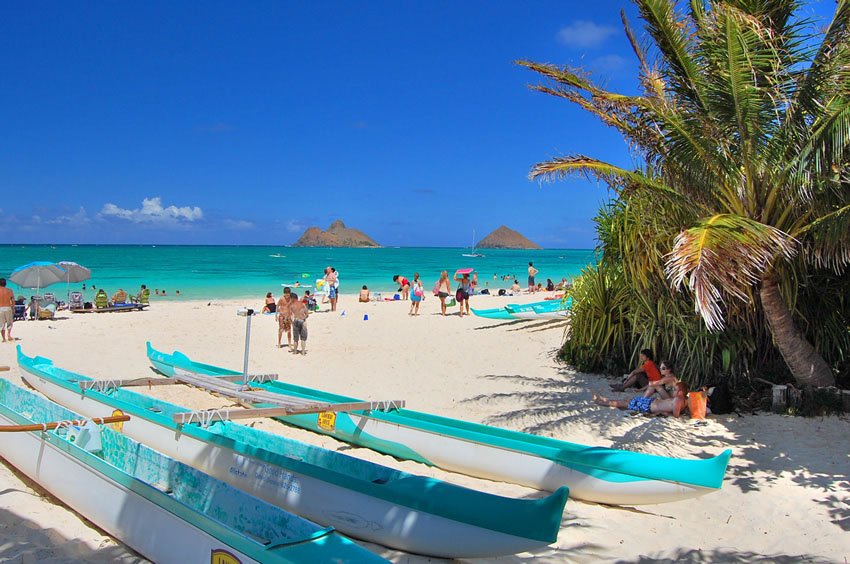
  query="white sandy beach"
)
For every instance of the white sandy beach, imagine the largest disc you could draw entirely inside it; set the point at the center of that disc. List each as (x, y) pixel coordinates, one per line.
(785, 497)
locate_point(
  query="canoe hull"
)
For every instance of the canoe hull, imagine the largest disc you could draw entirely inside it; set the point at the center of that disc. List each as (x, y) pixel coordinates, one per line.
(592, 474)
(140, 524)
(350, 512)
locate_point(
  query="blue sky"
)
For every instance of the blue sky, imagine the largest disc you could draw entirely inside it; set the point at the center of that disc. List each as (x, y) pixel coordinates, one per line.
(246, 122)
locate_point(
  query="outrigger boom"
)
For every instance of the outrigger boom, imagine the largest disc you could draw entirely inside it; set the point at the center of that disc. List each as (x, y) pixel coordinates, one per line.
(207, 416)
(280, 406)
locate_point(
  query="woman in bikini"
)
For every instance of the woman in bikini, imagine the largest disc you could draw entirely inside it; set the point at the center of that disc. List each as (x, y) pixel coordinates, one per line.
(463, 292)
(444, 286)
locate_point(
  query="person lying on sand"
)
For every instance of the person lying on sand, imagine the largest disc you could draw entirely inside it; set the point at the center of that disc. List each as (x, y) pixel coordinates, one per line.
(670, 406)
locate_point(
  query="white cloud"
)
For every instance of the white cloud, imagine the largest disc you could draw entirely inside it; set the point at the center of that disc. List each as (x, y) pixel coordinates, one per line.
(153, 212)
(609, 64)
(79, 218)
(238, 224)
(294, 226)
(585, 34)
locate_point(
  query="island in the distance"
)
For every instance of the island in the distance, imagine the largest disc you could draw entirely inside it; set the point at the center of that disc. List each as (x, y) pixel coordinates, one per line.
(507, 238)
(337, 235)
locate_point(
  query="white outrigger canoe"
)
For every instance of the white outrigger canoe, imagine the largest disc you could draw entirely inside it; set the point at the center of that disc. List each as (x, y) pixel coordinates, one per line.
(535, 311)
(163, 509)
(548, 309)
(360, 499)
(597, 474)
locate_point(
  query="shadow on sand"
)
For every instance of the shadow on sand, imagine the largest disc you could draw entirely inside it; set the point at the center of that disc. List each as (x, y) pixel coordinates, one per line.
(23, 540)
(562, 406)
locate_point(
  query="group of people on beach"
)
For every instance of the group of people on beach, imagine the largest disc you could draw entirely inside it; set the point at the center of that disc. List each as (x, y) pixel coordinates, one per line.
(291, 315)
(415, 290)
(662, 392)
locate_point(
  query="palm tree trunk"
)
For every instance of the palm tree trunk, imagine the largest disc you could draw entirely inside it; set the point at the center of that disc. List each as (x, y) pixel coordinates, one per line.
(807, 365)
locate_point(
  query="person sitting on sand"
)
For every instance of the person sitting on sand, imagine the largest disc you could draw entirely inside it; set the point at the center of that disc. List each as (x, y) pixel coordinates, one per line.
(666, 406)
(119, 297)
(309, 302)
(271, 305)
(364, 294)
(550, 286)
(644, 374)
(403, 285)
(663, 386)
(516, 289)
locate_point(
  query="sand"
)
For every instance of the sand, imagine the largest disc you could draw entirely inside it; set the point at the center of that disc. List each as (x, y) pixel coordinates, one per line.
(785, 497)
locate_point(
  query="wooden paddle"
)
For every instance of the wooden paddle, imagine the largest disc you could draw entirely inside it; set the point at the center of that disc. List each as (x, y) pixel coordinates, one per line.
(4, 368)
(54, 424)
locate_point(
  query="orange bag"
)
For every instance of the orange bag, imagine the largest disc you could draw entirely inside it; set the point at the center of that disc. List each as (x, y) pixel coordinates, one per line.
(697, 402)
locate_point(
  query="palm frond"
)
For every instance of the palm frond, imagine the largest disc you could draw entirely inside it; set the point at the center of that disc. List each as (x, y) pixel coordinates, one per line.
(673, 40)
(618, 178)
(829, 237)
(828, 66)
(724, 255)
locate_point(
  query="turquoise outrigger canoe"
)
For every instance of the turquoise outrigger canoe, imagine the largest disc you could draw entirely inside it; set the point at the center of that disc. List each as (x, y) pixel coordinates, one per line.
(525, 311)
(165, 510)
(358, 498)
(596, 474)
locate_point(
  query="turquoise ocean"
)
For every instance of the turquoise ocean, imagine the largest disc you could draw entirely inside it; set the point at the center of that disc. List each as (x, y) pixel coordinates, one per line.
(226, 272)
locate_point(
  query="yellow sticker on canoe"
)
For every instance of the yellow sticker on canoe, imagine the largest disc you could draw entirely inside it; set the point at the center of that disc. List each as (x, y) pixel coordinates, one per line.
(220, 556)
(327, 420)
(120, 425)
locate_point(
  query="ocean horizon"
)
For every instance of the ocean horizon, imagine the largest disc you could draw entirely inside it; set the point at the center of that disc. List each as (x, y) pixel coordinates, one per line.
(249, 271)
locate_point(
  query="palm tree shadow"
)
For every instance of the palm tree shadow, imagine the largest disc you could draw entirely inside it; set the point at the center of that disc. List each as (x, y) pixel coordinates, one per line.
(562, 406)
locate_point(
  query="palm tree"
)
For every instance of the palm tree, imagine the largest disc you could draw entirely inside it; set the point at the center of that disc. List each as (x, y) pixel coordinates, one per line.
(744, 125)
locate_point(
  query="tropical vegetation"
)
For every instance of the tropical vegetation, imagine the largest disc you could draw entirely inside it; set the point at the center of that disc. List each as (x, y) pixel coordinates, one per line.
(727, 248)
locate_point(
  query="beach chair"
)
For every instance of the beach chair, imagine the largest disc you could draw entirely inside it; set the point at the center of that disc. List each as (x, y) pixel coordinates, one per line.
(20, 312)
(101, 300)
(75, 300)
(47, 308)
(145, 296)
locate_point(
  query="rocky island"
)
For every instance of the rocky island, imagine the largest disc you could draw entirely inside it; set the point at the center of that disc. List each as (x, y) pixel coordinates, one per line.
(506, 238)
(337, 235)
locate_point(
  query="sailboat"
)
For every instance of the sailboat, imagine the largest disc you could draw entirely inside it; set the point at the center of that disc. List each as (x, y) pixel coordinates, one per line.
(473, 253)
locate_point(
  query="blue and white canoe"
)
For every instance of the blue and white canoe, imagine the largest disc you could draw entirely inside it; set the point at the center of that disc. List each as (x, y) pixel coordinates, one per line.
(598, 474)
(359, 498)
(165, 510)
(547, 309)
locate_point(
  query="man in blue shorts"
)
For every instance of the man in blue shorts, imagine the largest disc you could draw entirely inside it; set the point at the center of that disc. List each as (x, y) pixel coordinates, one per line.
(666, 406)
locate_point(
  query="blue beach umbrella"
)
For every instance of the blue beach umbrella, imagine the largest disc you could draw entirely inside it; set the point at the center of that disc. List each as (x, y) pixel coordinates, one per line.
(37, 275)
